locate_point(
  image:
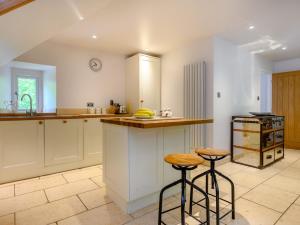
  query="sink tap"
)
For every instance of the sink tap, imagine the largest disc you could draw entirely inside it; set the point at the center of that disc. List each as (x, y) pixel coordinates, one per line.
(30, 113)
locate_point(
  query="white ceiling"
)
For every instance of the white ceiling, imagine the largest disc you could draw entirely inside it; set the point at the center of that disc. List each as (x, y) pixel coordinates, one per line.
(158, 26)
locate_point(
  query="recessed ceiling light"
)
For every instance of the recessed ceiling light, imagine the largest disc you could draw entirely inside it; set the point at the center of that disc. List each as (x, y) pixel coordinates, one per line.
(94, 36)
(81, 18)
(147, 49)
(251, 27)
(284, 48)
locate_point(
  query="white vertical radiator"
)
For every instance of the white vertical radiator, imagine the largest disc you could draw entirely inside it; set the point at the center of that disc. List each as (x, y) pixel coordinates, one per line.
(195, 100)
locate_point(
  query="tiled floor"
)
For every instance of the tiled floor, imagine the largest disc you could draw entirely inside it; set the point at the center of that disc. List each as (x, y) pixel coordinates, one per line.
(263, 197)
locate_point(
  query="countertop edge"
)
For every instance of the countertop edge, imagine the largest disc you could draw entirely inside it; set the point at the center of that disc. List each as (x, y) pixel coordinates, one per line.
(156, 124)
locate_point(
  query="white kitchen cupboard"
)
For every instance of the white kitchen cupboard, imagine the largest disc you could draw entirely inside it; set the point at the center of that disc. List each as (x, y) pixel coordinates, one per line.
(63, 141)
(92, 139)
(133, 164)
(21, 148)
(143, 82)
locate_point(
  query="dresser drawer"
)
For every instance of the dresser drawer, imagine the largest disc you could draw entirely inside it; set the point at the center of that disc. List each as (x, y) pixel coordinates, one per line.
(268, 157)
(278, 152)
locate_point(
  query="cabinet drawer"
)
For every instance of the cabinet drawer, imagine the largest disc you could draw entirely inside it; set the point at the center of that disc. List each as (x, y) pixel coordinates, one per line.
(278, 152)
(268, 157)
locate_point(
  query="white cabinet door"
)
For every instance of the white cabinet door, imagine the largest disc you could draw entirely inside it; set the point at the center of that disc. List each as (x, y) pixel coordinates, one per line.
(150, 80)
(63, 141)
(92, 138)
(146, 162)
(21, 148)
(176, 140)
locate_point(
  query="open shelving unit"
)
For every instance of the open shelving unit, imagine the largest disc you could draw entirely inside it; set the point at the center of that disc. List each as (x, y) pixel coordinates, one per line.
(257, 141)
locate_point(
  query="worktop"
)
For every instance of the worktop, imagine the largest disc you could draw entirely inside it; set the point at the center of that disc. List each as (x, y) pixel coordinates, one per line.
(53, 116)
(154, 123)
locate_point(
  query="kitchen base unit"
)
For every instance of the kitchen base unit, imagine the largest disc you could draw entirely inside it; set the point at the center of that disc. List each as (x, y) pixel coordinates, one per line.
(133, 158)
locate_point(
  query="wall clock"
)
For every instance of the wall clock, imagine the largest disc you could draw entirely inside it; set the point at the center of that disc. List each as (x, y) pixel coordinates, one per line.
(95, 64)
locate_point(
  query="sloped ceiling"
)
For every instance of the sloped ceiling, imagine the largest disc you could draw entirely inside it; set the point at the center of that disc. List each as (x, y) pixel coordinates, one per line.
(32, 24)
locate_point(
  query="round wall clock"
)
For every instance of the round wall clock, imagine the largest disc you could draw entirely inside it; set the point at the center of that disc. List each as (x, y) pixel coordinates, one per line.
(95, 64)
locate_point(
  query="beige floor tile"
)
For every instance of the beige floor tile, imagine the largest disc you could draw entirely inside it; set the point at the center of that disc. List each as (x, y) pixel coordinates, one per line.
(95, 198)
(22, 202)
(108, 214)
(270, 197)
(247, 180)
(7, 220)
(51, 212)
(298, 201)
(7, 191)
(249, 213)
(18, 182)
(40, 184)
(70, 189)
(238, 190)
(291, 217)
(296, 164)
(265, 173)
(291, 172)
(285, 183)
(83, 174)
(153, 207)
(231, 168)
(152, 218)
(99, 181)
(282, 164)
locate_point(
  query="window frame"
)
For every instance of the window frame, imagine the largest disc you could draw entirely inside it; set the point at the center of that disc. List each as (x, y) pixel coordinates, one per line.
(29, 74)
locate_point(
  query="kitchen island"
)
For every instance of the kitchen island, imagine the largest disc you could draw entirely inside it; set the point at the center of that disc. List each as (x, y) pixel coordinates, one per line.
(133, 158)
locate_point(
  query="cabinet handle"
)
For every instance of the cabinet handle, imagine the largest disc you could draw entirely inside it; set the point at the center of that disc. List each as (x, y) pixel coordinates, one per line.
(269, 157)
(40, 122)
(85, 121)
(65, 121)
(279, 151)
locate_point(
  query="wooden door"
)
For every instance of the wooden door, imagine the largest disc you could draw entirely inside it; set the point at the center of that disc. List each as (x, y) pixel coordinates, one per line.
(63, 141)
(286, 101)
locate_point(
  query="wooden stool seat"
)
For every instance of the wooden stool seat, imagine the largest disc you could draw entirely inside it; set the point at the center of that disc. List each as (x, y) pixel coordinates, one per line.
(183, 160)
(212, 152)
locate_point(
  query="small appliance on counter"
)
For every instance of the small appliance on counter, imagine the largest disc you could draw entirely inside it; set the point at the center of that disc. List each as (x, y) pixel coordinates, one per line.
(166, 113)
(257, 140)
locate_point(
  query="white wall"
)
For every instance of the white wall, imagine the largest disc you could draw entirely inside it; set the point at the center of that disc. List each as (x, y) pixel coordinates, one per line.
(286, 65)
(5, 85)
(172, 76)
(232, 71)
(237, 77)
(76, 83)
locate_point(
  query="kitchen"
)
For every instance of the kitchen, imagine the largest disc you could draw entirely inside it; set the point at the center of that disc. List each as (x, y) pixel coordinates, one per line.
(94, 149)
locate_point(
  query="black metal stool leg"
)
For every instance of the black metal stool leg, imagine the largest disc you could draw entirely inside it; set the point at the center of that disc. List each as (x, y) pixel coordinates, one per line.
(161, 199)
(232, 193)
(206, 183)
(217, 198)
(192, 188)
(206, 201)
(183, 196)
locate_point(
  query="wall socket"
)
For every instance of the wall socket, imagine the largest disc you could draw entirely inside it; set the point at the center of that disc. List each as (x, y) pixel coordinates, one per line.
(218, 94)
(90, 104)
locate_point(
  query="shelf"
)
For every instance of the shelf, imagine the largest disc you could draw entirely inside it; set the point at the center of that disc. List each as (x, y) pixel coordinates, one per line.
(248, 131)
(272, 130)
(273, 146)
(246, 148)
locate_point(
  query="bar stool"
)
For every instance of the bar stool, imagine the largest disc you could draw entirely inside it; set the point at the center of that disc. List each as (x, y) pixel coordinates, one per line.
(213, 155)
(184, 163)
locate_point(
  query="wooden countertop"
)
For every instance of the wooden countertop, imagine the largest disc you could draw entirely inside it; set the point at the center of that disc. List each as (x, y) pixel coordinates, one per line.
(53, 116)
(154, 123)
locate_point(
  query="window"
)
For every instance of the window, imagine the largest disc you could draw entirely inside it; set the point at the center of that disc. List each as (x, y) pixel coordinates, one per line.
(27, 82)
